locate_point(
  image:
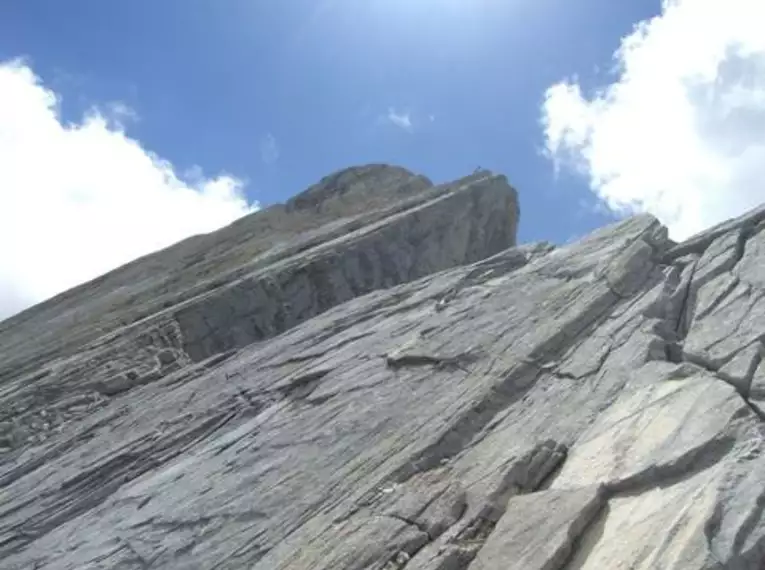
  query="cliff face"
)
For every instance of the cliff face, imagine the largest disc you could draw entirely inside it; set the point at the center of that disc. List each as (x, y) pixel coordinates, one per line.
(203, 263)
(355, 231)
(398, 386)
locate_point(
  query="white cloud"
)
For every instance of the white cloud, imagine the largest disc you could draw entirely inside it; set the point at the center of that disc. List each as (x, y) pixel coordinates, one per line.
(119, 114)
(79, 199)
(269, 149)
(681, 131)
(402, 120)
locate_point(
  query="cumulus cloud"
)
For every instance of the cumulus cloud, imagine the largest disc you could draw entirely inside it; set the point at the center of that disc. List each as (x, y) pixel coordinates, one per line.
(402, 120)
(79, 199)
(680, 132)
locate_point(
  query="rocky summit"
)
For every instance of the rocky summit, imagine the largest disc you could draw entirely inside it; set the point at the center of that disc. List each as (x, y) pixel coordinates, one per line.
(374, 375)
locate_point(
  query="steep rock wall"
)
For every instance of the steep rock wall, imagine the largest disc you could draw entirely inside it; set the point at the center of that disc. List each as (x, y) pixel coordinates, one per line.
(443, 227)
(594, 406)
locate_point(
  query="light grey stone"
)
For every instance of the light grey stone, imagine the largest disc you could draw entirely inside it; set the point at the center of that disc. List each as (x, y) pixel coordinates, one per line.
(740, 370)
(720, 257)
(749, 268)
(538, 532)
(757, 385)
(654, 431)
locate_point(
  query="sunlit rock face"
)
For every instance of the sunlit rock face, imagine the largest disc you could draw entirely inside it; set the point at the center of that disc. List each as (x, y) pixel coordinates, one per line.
(376, 376)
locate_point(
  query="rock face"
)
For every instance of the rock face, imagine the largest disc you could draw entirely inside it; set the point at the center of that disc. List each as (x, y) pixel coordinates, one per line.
(352, 198)
(399, 386)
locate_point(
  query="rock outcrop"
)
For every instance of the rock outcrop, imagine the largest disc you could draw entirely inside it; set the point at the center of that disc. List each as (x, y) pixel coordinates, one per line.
(399, 386)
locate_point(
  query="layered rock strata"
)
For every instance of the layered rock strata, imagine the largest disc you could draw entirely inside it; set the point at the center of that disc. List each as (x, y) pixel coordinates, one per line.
(598, 405)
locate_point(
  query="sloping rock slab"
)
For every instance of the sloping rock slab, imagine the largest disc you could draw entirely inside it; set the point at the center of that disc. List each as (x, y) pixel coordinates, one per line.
(544, 408)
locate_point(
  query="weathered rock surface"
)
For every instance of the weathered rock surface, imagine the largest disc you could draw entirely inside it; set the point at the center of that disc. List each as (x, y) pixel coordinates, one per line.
(452, 402)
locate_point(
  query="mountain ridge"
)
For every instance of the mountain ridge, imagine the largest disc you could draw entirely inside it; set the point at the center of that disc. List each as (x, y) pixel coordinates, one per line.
(412, 390)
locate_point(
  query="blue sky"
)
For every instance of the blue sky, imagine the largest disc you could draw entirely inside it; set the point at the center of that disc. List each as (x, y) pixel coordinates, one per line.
(211, 79)
(274, 95)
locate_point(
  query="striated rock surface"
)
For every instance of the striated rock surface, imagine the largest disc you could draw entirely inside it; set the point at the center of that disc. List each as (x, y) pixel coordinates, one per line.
(398, 386)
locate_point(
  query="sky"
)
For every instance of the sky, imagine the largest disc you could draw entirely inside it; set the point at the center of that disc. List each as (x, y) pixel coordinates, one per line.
(128, 126)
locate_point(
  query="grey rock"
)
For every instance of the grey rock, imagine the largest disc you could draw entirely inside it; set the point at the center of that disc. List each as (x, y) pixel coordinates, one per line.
(720, 257)
(701, 241)
(343, 203)
(740, 370)
(538, 532)
(757, 385)
(387, 381)
(750, 252)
